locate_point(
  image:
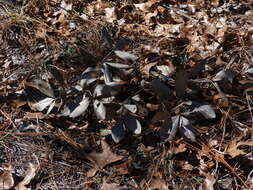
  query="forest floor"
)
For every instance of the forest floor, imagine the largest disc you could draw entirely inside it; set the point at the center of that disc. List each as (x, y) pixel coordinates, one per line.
(118, 95)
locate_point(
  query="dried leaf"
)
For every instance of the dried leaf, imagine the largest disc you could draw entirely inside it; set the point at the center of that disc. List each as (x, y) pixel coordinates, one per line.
(186, 131)
(43, 86)
(89, 76)
(110, 15)
(41, 105)
(107, 73)
(233, 147)
(99, 109)
(131, 107)
(65, 6)
(181, 82)
(205, 110)
(208, 183)
(87, 79)
(132, 124)
(102, 159)
(224, 75)
(81, 108)
(161, 90)
(119, 65)
(147, 68)
(120, 44)
(159, 184)
(126, 56)
(165, 69)
(69, 107)
(118, 131)
(56, 74)
(110, 89)
(76, 107)
(104, 91)
(107, 38)
(6, 178)
(160, 116)
(92, 70)
(184, 126)
(30, 174)
(110, 186)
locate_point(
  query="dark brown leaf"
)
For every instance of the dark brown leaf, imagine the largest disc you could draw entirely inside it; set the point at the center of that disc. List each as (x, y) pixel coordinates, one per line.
(101, 159)
(181, 83)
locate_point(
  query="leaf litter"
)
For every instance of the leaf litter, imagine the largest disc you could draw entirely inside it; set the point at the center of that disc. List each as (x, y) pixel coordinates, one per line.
(157, 74)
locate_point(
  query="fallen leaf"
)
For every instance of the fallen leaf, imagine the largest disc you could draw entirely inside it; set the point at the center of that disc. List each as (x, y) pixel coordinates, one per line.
(99, 109)
(122, 169)
(30, 174)
(110, 15)
(206, 110)
(66, 7)
(224, 75)
(56, 74)
(147, 68)
(181, 82)
(119, 65)
(6, 178)
(233, 147)
(126, 56)
(104, 91)
(118, 131)
(132, 124)
(110, 186)
(76, 107)
(107, 38)
(41, 85)
(184, 126)
(130, 107)
(208, 183)
(120, 44)
(81, 108)
(165, 70)
(101, 159)
(159, 184)
(41, 105)
(161, 90)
